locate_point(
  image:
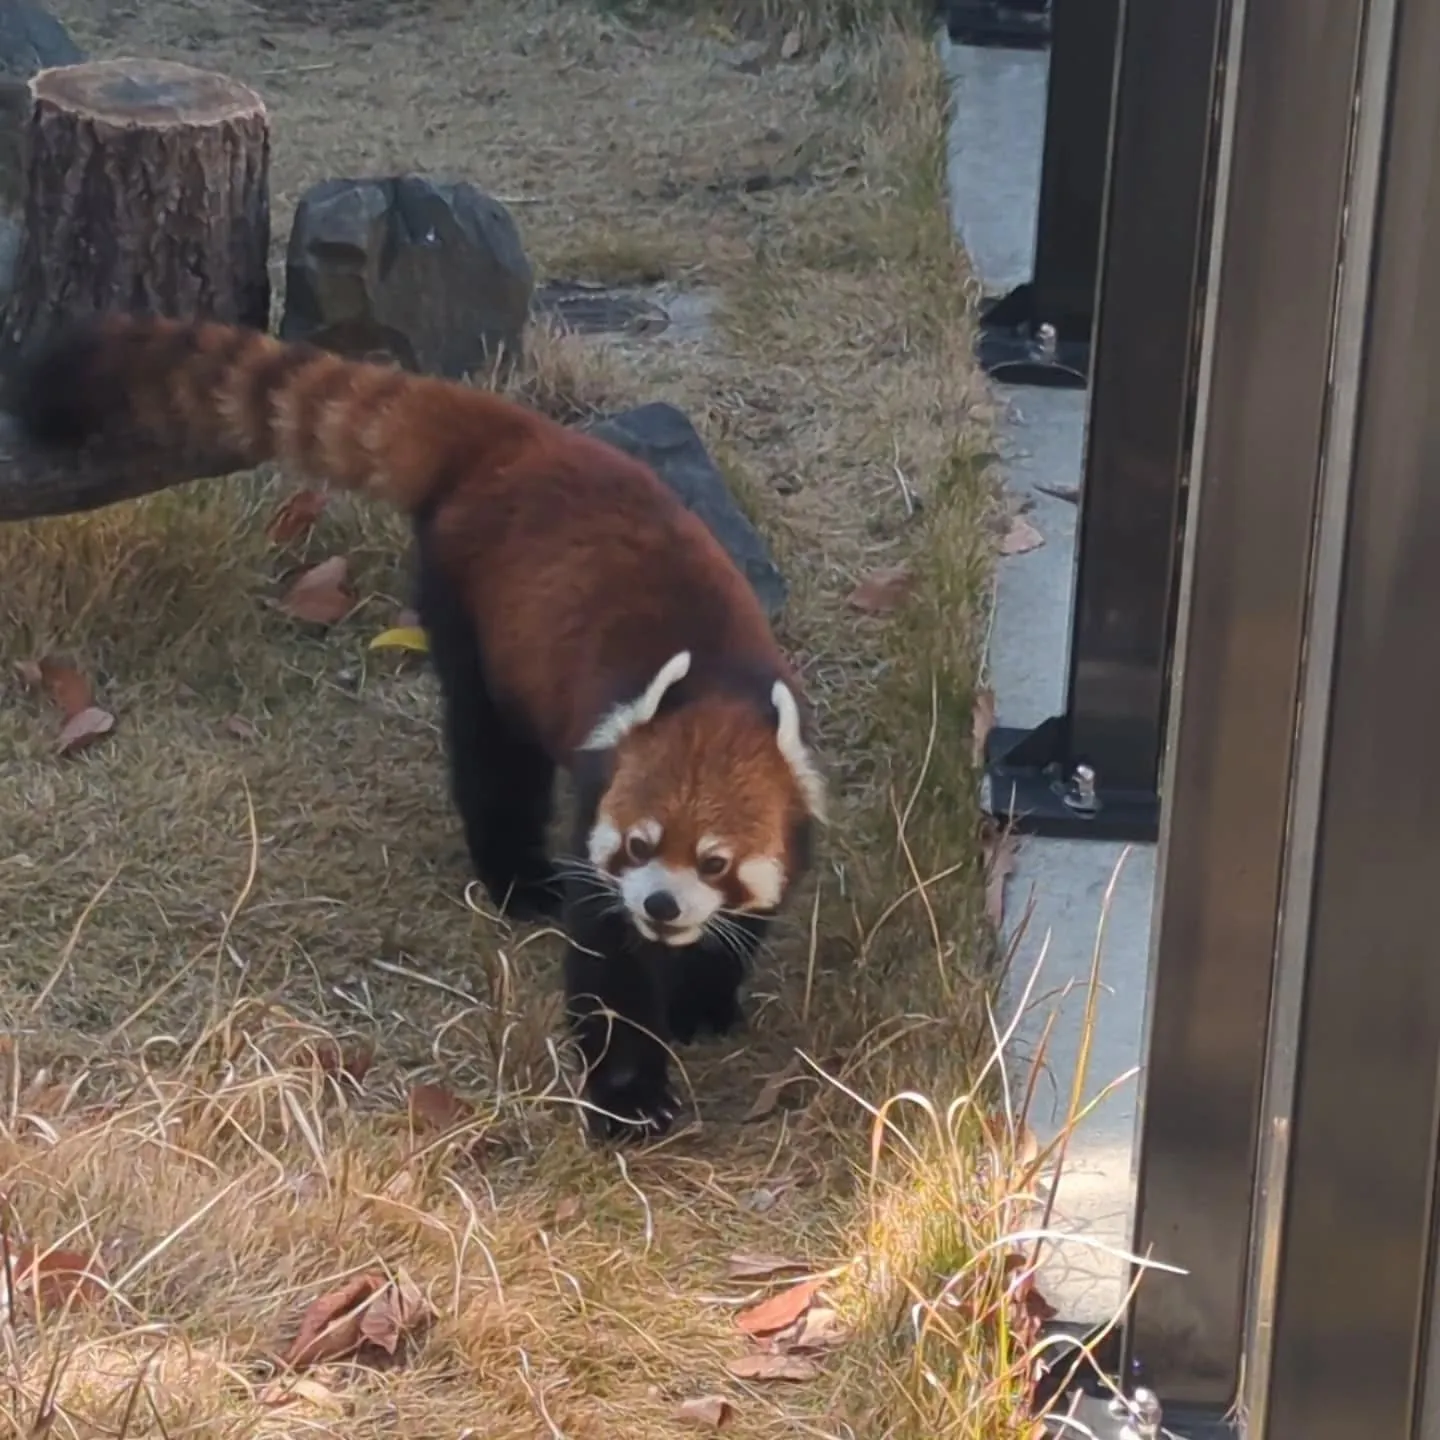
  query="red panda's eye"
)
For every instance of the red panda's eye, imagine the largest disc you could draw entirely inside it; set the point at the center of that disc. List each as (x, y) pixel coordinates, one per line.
(639, 849)
(714, 865)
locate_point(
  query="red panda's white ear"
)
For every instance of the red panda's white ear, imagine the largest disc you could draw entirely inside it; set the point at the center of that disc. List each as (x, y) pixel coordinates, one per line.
(641, 710)
(792, 747)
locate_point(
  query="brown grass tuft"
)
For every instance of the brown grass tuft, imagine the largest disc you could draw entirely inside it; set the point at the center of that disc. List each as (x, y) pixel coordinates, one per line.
(259, 869)
(820, 20)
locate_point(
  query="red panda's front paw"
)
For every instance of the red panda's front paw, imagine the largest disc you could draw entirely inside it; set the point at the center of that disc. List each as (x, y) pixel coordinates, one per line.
(626, 1104)
(535, 899)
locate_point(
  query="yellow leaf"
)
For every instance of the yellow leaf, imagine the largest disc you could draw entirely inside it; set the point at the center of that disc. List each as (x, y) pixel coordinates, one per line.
(401, 637)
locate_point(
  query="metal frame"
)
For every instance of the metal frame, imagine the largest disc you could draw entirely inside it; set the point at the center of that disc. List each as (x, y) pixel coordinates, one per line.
(1093, 770)
(1290, 1130)
(1040, 332)
(1261, 425)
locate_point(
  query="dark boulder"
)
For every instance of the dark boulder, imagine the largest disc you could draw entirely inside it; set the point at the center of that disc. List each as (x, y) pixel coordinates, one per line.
(664, 439)
(427, 273)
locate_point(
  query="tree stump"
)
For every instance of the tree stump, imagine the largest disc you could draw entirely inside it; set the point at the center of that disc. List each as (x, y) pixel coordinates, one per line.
(147, 189)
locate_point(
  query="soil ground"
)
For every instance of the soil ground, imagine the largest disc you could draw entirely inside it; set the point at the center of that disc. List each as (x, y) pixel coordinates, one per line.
(207, 917)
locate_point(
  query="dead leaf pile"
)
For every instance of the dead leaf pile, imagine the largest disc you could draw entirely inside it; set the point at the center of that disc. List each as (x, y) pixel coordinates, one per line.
(369, 1319)
(82, 720)
(322, 594)
(788, 1328)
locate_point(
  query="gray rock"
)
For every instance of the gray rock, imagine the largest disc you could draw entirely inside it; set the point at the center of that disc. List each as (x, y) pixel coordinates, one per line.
(664, 439)
(431, 274)
(31, 39)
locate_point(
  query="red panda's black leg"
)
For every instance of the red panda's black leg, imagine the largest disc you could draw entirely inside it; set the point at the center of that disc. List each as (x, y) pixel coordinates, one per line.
(616, 1013)
(501, 784)
(703, 990)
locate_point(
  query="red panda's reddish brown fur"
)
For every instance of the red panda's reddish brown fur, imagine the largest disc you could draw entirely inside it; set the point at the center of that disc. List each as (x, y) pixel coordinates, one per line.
(544, 523)
(578, 615)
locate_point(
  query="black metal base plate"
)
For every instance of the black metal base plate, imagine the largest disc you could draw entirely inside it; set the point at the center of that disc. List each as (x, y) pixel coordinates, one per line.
(1092, 1418)
(1010, 352)
(1030, 795)
(992, 22)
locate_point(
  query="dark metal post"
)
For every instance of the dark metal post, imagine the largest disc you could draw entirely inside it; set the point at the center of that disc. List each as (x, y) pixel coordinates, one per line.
(1252, 519)
(1093, 770)
(1290, 1130)
(1355, 1112)
(1039, 334)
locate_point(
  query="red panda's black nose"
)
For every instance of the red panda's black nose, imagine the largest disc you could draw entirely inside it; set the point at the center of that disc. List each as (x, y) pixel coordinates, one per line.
(661, 905)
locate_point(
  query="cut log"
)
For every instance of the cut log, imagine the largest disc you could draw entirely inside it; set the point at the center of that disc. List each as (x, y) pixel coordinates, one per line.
(36, 483)
(147, 189)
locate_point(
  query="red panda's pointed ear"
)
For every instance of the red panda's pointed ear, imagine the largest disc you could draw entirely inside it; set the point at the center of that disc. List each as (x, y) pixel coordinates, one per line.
(640, 711)
(793, 748)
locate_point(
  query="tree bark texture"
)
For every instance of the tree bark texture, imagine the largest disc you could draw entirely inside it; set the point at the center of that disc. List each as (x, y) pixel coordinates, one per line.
(35, 483)
(147, 189)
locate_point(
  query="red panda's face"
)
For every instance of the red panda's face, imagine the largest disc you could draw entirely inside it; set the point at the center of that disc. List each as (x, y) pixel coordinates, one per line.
(698, 819)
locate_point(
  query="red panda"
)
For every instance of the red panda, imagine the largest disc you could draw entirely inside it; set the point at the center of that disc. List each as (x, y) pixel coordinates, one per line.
(578, 616)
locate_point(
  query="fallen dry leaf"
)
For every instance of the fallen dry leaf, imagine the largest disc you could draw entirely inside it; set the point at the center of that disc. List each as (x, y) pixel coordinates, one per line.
(1030, 1310)
(350, 1062)
(772, 1367)
(433, 1107)
(768, 1100)
(57, 1278)
(744, 1266)
(568, 1210)
(322, 594)
(240, 727)
(84, 729)
(981, 724)
(714, 1411)
(779, 1310)
(397, 1311)
(1021, 537)
(301, 1390)
(295, 516)
(819, 1328)
(883, 590)
(999, 849)
(330, 1326)
(790, 45)
(69, 691)
(368, 1310)
(402, 637)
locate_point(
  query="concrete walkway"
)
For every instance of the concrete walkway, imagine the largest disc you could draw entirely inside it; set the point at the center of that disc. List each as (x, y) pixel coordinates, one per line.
(994, 151)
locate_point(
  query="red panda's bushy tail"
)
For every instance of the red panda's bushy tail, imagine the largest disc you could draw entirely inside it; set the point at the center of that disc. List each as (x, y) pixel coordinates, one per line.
(188, 392)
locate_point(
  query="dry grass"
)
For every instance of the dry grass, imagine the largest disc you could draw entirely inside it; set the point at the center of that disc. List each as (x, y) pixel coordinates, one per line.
(262, 858)
(815, 19)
